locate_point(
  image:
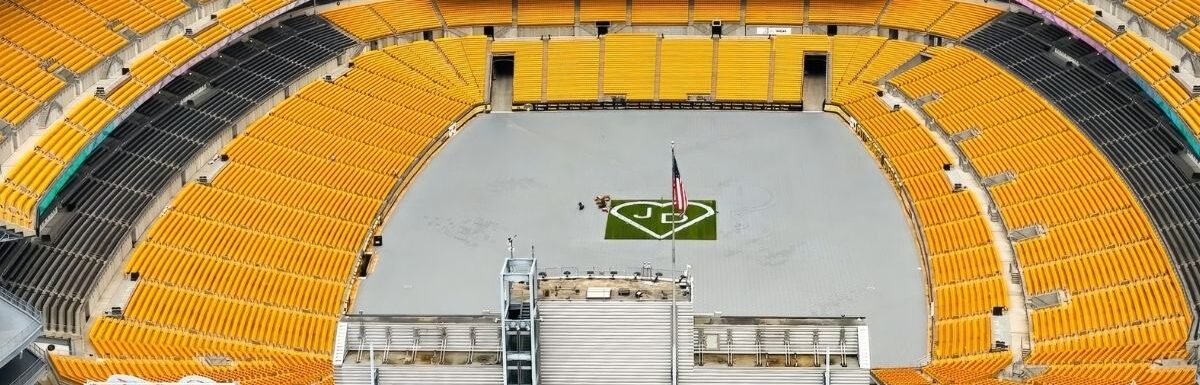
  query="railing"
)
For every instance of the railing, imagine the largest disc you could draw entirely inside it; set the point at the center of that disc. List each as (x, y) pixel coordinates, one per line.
(646, 272)
(20, 304)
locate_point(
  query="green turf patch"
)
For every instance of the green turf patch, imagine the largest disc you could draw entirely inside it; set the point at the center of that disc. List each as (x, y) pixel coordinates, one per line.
(651, 219)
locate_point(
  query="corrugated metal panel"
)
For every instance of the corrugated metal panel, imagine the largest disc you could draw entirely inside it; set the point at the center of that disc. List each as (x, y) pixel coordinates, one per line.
(767, 376)
(743, 339)
(405, 336)
(610, 342)
(421, 375)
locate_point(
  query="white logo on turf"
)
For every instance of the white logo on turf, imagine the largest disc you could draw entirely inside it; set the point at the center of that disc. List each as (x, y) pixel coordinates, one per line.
(681, 220)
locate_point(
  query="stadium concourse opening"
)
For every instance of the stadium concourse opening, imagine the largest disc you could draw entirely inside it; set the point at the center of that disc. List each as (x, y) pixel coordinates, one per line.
(502, 83)
(798, 198)
(816, 81)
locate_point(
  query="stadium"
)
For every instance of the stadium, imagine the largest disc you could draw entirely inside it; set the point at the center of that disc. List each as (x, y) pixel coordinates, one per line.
(833, 192)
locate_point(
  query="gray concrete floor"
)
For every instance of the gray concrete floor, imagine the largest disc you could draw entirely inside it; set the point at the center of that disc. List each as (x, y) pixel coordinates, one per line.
(807, 224)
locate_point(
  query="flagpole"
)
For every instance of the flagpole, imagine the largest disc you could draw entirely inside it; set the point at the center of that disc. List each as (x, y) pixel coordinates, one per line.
(674, 287)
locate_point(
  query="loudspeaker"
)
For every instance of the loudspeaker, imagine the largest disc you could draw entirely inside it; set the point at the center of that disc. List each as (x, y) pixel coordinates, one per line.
(428, 35)
(68, 207)
(364, 265)
(134, 276)
(716, 27)
(602, 28)
(224, 157)
(489, 31)
(947, 167)
(377, 240)
(997, 311)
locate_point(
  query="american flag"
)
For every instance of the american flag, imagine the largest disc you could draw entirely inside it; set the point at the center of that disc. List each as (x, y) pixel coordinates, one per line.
(678, 196)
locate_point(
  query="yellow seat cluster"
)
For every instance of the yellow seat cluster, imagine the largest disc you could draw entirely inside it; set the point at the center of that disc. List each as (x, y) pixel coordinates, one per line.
(378, 19)
(1099, 247)
(965, 273)
(1149, 62)
(31, 177)
(256, 266)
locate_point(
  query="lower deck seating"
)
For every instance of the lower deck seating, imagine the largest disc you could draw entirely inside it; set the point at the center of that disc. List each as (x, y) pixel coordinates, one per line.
(1115, 115)
(1065, 186)
(291, 259)
(964, 269)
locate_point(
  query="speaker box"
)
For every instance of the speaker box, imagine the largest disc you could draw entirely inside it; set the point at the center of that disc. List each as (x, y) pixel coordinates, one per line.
(377, 240)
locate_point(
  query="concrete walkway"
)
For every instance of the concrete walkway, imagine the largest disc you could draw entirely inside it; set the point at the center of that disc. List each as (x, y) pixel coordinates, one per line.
(1017, 327)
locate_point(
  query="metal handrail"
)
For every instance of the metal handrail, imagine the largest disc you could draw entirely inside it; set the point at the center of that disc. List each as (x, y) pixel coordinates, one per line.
(20, 304)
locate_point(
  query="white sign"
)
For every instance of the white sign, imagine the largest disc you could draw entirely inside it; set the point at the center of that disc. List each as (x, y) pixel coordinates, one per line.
(774, 31)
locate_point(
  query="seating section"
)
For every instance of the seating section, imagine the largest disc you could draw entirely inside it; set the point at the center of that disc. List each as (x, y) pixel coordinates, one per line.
(709, 10)
(743, 69)
(900, 376)
(602, 10)
(964, 268)
(1140, 374)
(573, 69)
(685, 68)
(844, 12)
(374, 20)
(379, 19)
(41, 37)
(1115, 115)
(143, 154)
(275, 268)
(1065, 186)
(257, 265)
(1171, 15)
(246, 372)
(476, 12)
(27, 182)
(659, 12)
(626, 70)
(747, 69)
(546, 12)
(1151, 64)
